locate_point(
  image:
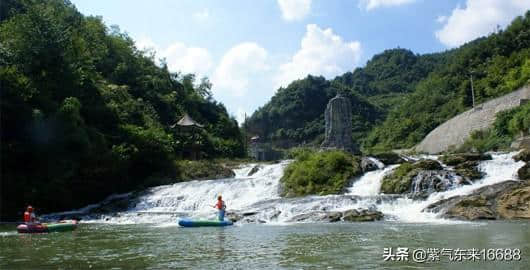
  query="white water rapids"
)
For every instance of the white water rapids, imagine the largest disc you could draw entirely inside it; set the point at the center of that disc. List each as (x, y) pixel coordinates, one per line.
(259, 194)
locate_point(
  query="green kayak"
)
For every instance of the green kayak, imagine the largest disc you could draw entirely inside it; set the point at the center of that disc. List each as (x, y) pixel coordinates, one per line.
(63, 226)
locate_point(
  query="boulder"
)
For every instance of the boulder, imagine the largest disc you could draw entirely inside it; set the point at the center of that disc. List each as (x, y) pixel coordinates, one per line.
(514, 203)
(369, 164)
(522, 142)
(322, 216)
(469, 170)
(353, 215)
(389, 158)
(455, 159)
(523, 156)
(428, 164)
(401, 179)
(361, 215)
(472, 208)
(429, 181)
(506, 200)
(233, 216)
(524, 172)
(254, 170)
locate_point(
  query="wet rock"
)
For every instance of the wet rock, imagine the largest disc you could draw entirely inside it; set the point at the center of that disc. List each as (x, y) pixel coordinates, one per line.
(524, 172)
(353, 215)
(321, 216)
(429, 181)
(401, 179)
(246, 214)
(234, 217)
(428, 164)
(506, 200)
(369, 164)
(389, 158)
(523, 156)
(469, 170)
(472, 208)
(361, 215)
(522, 142)
(455, 159)
(254, 170)
(514, 203)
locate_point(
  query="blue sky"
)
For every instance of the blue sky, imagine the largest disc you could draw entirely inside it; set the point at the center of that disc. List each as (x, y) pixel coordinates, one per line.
(250, 48)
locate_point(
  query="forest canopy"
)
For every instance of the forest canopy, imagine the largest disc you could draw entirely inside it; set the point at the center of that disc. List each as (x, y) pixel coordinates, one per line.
(399, 96)
(85, 113)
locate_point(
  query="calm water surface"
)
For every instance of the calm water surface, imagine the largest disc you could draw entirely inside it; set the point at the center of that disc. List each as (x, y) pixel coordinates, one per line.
(299, 246)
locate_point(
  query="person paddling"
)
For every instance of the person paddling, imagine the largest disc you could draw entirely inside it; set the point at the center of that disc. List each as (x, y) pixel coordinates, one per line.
(221, 206)
(29, 215)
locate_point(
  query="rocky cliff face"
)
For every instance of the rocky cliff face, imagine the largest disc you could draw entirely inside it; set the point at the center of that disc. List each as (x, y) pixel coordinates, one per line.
(455, 131)
(338, 125)
(506, 200)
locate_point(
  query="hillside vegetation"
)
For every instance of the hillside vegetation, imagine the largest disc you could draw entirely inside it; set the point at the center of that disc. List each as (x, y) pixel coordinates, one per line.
(86, 114)
(399, 97)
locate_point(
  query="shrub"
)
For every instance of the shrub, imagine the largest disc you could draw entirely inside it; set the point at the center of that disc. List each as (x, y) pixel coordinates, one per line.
(319, 173)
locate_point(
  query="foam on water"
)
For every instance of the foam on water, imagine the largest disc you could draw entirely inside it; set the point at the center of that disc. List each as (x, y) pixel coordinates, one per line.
(370, 183)
(259, 193)
(501, 168)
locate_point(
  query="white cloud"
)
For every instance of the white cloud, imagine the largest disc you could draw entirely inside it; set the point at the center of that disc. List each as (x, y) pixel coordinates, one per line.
(240, 115)
(373, 4)
(441, 19)
(322, 52)
(479, 18)
(241, 64)
(179, 57)
(201, 15)
(145, 44)
(294, 9)
(187, 59)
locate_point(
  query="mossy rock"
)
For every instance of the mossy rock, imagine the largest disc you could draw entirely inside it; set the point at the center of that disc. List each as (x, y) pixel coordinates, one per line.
(400, 179)
(470, 174)
(428, 164)
(469, 170)
(523, 156)
(455, 159)
(389, 158)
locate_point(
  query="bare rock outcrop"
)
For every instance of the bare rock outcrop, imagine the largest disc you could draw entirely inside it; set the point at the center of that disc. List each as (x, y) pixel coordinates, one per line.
(506, 200)
(339, 125)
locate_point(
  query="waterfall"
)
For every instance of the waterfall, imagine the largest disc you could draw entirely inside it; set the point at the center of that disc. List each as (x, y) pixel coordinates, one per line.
(259, 194)
(370, 183)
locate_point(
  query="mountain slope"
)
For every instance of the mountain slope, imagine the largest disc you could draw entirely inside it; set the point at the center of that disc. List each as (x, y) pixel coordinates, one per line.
(403, 95)
(86, 114)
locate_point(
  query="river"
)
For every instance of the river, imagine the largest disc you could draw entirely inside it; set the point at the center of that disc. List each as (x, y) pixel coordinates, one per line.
(251, 246)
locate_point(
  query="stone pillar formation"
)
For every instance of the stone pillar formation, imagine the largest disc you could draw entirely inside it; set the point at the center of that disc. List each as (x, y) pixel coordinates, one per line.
(338, 125)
